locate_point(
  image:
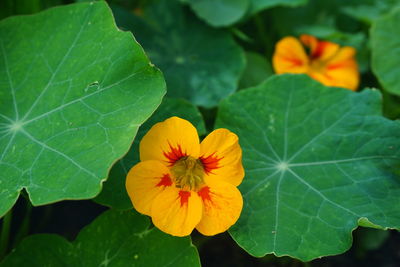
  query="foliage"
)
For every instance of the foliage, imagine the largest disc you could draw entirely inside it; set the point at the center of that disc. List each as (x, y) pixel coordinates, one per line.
(308, 147)
(113, 239)
(81, 84)
(73, 97)
(200, 63)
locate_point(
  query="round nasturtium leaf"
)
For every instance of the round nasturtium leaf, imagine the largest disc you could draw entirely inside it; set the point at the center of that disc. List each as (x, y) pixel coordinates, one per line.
(113, 239)
(73, 91)
(114, 192)
(318, 161)
(385, 46)
(200, 63)
(219, 12)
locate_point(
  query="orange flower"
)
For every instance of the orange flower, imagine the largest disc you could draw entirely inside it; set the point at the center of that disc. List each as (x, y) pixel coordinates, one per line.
(184, 184)
(326, 62)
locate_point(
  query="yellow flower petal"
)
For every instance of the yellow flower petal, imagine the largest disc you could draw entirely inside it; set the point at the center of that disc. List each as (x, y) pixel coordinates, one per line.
(326, 63)
(309, 41)
(222, 205)
(341, 70)
(319, 50)
(170, 140)
(344, 67)
(221, 156)
(176, 212)
(290, 57)
(145, 181)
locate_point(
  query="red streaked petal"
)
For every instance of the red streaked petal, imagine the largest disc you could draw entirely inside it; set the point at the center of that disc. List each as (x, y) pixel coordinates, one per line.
(222, 156)
(169, 140)
(222, 205)
(165, 180)
(174, 154)
(184, 196)
(319, 50)
(204, 193)
(210, 162)
(176, 212)
(341, 70)
(145, 181)
(290, 56)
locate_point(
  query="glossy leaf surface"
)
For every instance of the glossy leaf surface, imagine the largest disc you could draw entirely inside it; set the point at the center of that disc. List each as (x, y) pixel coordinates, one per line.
(318, 160)
(113, 239)
(71, 106)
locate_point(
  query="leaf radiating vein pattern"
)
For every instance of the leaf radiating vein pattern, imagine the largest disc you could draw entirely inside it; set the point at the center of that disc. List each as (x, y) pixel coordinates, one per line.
(318, 160)
(73, 91)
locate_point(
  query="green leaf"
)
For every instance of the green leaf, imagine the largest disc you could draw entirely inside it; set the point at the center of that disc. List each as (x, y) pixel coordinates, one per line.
(317, 159)
(114, 193)
(315, 13)
(369, 11)
(385, 46)
(113, 239)
(258, 5)
(73, 91)
(257, 70)
(200, 63)
(391, 107)
(219, 12)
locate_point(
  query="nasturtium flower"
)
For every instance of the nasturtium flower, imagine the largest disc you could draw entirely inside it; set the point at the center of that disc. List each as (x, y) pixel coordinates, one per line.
(324, 61)
(183, 184)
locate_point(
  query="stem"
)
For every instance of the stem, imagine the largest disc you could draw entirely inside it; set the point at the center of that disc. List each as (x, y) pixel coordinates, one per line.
(5, 234)
(262, 33)
(24, 228)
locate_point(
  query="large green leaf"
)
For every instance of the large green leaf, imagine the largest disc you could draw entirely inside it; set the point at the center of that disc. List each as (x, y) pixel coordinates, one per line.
(200, 63)
(114, 193)
(113, 239)
(318, 162)
(385, 45)
(73, 91)
(220, 12)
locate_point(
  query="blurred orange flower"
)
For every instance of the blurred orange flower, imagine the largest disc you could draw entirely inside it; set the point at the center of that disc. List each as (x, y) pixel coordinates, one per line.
(325, 62)
(184, 184)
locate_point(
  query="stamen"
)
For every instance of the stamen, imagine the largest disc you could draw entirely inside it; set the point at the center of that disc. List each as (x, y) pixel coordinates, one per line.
(188, 173)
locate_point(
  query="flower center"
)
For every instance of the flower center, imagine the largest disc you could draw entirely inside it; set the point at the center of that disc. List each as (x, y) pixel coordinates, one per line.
(188, 173)
(318, 65)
